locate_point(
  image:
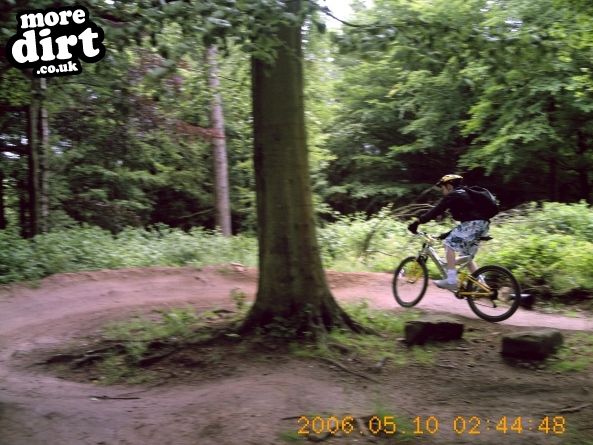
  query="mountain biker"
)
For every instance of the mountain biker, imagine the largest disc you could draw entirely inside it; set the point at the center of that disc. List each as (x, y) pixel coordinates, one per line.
(465, 237)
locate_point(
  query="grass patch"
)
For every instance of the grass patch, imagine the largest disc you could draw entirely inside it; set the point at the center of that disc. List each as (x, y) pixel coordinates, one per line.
(129, 349)
(301, 350)
(577, 438)
(423, 355)
(387, 322)
(114, 369)
(142, 337)
(291, 436)
(180, 322)
(389, 326)
(386, 423)
(381, 345)
(576, 354)
(572, 314)
(132, 351)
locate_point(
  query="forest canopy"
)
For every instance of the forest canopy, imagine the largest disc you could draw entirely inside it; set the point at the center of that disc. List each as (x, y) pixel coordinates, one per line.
(405, 91)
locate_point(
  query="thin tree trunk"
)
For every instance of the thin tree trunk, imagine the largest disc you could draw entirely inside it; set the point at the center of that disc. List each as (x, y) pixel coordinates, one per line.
(33, 159)
(554, 189)
(585, 185)
(2, 208)
(292, 288)
(583, 170)
(44, 163)
(21, 186)
(221, 179)
(553, 182)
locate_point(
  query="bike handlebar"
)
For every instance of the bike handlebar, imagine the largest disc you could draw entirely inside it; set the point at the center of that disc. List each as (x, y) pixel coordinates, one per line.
(426, 236)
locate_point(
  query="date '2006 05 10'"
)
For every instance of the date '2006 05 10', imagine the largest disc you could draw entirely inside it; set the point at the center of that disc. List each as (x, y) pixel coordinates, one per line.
(472, 425)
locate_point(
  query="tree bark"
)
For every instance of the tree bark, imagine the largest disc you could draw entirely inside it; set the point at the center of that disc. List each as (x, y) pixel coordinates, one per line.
(21, 186)
(293, 294)
(583, 170)
(43, 162)
(2, 208)
(33, 159)
(554, 188)
(221, 179)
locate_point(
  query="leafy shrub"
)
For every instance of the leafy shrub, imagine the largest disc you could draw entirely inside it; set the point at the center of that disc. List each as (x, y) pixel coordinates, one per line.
(554, 217)
(17, 261)
(379, 243)
(89, 248)
(548, 248)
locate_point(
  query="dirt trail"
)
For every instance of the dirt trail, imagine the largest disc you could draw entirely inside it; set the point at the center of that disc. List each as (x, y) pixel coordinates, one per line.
(36, 408)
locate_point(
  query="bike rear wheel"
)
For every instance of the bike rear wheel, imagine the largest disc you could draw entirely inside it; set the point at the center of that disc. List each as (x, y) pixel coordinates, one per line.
(492, 293)
(410, 280)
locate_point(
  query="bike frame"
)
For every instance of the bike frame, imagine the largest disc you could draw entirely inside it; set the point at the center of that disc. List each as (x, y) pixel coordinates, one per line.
(428, 251)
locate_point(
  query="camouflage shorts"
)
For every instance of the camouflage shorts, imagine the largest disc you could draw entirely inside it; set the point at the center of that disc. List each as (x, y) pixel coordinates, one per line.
(465, 238)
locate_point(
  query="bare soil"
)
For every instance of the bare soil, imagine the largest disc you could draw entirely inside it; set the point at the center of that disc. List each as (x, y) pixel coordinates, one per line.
(264, 396)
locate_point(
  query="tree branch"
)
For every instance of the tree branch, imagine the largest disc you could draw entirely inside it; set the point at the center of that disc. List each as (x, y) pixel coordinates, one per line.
(327, 12)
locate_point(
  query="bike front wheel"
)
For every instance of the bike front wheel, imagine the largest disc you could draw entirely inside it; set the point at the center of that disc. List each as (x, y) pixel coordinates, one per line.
(410, 280)
(492, 293)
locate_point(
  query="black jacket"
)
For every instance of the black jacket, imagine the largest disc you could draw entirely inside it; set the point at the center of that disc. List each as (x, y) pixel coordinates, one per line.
(458, 203)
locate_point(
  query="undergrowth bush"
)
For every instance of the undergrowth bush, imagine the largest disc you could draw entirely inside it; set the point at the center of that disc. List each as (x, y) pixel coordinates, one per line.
(91, 248)
(548, 248)
(358, 243)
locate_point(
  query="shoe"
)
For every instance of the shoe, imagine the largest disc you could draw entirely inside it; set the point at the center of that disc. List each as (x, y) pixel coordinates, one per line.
(444, 284)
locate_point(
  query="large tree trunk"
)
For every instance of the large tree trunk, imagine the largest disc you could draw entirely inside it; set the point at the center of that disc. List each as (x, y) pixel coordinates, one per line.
(221, 179)
(292, 288)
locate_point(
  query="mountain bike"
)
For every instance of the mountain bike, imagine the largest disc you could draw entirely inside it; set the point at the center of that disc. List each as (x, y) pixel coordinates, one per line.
(492, 291)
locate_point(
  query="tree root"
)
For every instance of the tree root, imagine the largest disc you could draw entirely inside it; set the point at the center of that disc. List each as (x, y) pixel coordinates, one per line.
(114, 398)
(344, 368)
(312, 324)
(152, 359)
(87, 357)
(575, 409)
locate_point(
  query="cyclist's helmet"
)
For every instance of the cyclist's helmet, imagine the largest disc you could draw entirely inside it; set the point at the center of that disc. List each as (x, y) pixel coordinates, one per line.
(454, 180)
